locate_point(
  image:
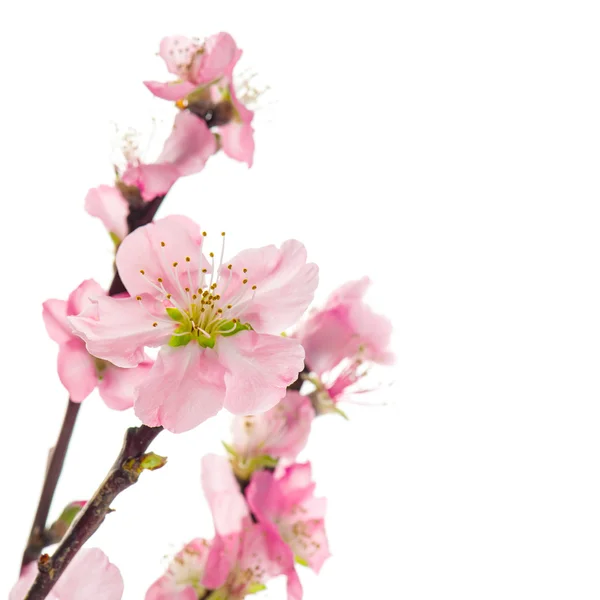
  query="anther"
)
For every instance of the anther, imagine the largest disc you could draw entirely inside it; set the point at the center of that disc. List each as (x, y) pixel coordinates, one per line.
(142, 271)
(253, 287)
(245, 270)
(212, 254)
(138, 297)
(155, 324)
(194, 296)
(223, 233)
(245, 281)
(175, 264)
(204, 233)
(187, 289)
(169, 296)
(205, 270)
(230, 306)
(230, 267)
(163, 244)
(159, 280)
(187, 259)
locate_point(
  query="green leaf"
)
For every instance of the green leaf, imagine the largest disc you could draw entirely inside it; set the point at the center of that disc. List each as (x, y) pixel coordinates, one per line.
(176, 314)
(152, 461)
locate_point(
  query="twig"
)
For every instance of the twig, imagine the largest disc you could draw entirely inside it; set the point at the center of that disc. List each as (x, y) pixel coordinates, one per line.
(126, 470)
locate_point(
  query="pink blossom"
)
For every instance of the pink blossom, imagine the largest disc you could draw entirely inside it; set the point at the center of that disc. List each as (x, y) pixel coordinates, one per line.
(217, 326)
(285, 503)
(79, 371)
(281, 432)
(260, 557)
(183, 579)
(185, 152)
(195, 63)
(107, 203)
(342, 339)
(90, 576)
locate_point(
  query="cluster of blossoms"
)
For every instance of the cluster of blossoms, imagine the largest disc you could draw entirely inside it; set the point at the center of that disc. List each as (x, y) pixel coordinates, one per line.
(229, 335)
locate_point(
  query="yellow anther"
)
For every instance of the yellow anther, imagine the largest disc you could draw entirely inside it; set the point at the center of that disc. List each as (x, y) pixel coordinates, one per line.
(245, 270)
(212, 254)
(253, 287)
(230, 267)
(169, 296)
(230, 306)
(155, 324)
(159, 280)
(223, 233)
(204, 270)
(204, 233)
(175, 264)
(187, 289)
(163, 244)
(245, 281)
(138, 297)
(142, 271)
(187, 259)
(194, 296)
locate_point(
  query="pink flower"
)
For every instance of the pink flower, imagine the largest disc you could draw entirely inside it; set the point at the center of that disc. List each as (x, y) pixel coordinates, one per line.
(79, 371)
(285, 503)
(217, 326)
(195, 63)
(281, 432)
(183, 579)
(90, 576)
(107, 203)
(342, 340)
(185, 152)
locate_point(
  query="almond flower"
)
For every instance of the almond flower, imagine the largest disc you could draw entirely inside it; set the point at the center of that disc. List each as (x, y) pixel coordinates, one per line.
(284, 503)
(342, 340)
(205, 87)
(217, 325)
(282, 432)
(78, 370)
(89, 576)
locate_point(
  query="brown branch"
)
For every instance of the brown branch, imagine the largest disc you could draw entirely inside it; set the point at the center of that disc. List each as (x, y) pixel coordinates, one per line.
(140, 213)
(126, 470)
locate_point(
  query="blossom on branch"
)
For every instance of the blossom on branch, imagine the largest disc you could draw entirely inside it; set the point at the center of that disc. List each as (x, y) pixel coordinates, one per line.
(90, 576)
(217, 324)
(284, 503)
(78, 370)
(107, 203)
(342, 340)
(282, 432)
(205, 87)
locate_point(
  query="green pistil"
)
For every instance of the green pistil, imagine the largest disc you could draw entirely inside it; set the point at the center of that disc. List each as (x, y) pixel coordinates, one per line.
(190, 321)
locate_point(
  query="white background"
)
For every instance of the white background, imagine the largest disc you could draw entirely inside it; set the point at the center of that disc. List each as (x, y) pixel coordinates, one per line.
(449, 150)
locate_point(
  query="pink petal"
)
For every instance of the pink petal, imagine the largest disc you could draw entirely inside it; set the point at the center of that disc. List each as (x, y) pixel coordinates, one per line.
(171, 90)
(221, 560)
(90, 576)
(190, 144)
(237, 141)
(184, 388)
(285, 285)
(76, 369)
(107, 204)
(20, 589)
(177, 51)
(54, 313)
(117, 329)
(118, 386)
(142, 250)
(164, 589)
(227, 504)
(220, 54)
(259, 369)
(81, 297)
(152, 180)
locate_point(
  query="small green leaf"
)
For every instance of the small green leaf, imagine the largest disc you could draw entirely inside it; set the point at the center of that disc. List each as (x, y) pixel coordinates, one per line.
(300, 561)
(180, 340)
(152, 461)
(176, 314)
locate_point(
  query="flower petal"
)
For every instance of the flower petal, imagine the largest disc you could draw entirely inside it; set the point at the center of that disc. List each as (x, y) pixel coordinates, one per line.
(285, 285)
(170, 90)
(107, 204)
(54, 313)
(259, 369)
(117, 329)
(177, 51)
(143, 250)
(219, 56)
(118, 386)
(184, 388)
(190, 144)
(237, 141)
(227, 504)
(90, 575)
(152, 180)
(76, 369)
(81, 297)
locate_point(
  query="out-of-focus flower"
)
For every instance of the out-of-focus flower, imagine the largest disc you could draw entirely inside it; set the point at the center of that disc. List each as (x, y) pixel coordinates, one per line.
(90, 576)
(183, 578)
(341, 341)
(217, 325)
(282, 432)
(79, 371)
(284, 502)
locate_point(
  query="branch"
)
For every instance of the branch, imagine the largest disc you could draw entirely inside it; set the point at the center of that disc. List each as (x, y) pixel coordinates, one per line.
(126, 470)
(140, 213)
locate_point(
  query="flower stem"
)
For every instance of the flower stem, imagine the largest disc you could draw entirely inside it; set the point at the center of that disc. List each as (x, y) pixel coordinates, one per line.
(126, 470)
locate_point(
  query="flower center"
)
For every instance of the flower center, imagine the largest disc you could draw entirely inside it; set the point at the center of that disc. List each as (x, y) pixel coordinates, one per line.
(197, 302)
